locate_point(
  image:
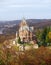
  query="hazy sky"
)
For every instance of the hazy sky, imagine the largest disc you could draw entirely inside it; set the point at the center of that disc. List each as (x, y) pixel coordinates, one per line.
(17, 9)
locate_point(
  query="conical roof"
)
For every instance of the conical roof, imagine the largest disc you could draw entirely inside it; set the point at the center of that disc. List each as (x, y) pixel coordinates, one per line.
(23, 22)
(23, 25)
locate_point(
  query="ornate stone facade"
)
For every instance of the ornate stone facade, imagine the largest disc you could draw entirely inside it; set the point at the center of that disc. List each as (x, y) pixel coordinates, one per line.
(25, 32)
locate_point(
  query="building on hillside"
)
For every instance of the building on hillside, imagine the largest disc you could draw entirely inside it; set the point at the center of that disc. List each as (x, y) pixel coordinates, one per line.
(25, 31)
(26, 35)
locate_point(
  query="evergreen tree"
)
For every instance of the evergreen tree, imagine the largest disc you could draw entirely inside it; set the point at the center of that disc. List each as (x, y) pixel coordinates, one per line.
(48, 39)
(43, 37)
(19, 40)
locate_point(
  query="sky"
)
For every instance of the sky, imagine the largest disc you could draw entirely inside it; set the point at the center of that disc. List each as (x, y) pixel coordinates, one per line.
(29, 9)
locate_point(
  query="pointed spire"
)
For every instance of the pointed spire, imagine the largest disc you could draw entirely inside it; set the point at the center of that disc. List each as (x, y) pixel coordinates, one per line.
(23, 22)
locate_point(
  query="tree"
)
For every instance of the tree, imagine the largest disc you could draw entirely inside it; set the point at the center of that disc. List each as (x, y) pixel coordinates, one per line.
(38, 34)
(48, 37)
(43, 36)
(19, 40)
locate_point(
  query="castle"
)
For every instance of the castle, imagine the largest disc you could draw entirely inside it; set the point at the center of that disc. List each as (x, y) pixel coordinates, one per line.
(26, 35)
(25, 32)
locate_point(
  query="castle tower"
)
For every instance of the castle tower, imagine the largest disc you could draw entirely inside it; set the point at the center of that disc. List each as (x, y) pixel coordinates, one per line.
(25, 32)
(23, 23)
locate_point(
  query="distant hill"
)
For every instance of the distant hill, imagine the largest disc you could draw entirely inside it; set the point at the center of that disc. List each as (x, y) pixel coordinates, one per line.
(39, 23)
(28, 21)
(10, 27)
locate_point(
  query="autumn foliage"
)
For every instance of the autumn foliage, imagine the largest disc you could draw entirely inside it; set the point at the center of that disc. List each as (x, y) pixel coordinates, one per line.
(40, 56)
